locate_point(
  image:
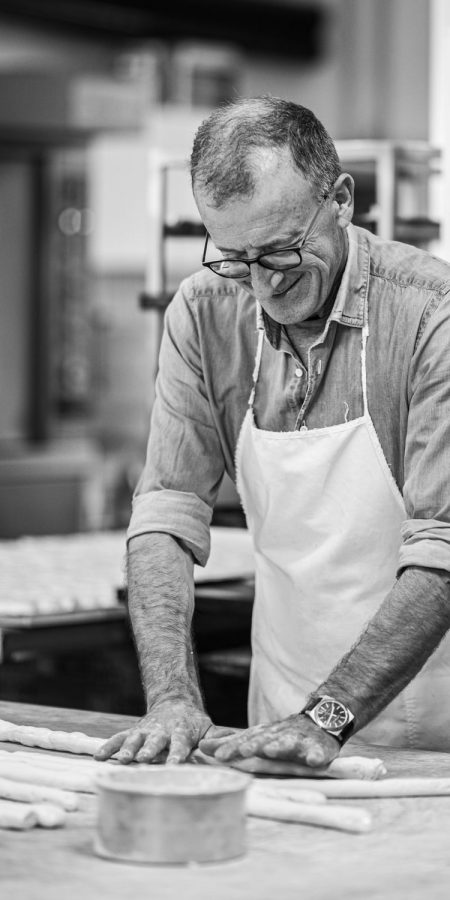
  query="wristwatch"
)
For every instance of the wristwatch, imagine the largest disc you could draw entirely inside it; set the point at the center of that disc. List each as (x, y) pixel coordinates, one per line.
(332, 716)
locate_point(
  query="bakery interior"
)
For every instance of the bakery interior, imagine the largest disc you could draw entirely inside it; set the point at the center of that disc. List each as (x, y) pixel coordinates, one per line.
(99, 102)
(98, 106)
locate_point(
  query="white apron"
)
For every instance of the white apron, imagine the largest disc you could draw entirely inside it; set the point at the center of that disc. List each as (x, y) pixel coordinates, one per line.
(325, 515)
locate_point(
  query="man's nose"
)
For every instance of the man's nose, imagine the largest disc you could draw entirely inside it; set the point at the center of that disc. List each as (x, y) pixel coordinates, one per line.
(265, 281)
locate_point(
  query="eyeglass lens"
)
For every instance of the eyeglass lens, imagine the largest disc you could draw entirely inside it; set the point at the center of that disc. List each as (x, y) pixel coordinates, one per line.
(239, 268)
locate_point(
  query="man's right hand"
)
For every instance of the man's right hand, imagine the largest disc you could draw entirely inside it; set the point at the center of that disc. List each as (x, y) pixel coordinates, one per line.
(173, 725)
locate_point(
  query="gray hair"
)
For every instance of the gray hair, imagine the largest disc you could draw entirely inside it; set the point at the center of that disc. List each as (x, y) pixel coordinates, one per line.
(224, 160)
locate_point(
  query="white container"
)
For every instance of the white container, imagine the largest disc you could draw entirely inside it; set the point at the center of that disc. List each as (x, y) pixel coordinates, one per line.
(171, 814)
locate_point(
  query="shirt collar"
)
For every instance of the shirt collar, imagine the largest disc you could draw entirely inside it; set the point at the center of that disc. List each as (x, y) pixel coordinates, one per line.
(350, 300)
(351, 297)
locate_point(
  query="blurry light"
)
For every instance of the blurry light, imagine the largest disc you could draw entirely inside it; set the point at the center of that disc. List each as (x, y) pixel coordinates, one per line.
(73, 221)
(69, 221)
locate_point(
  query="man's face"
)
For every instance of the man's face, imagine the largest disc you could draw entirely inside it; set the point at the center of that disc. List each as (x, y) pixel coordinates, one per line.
(277, 216)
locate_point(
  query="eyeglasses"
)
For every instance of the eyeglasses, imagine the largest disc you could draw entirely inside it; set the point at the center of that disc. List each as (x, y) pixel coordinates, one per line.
(277, 260)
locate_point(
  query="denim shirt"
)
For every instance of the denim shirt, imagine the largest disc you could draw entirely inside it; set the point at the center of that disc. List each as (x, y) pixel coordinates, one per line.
(205, 378)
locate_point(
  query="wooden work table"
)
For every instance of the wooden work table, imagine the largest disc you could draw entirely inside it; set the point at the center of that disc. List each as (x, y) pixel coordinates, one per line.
(405, 857)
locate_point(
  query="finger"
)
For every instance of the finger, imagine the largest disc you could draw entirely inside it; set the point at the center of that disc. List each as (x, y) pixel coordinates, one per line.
(154, 745)
(180, 748)
(130, 747)
(209, 746)
(312, 756)
(300, 749)
(111, 746)
(286, 746)
(248, 743)
(230, 749)
(215, 737)
(316, 758)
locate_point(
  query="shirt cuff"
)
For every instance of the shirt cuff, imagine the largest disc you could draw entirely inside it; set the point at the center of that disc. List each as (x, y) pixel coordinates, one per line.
(178, 513)
(426, 542)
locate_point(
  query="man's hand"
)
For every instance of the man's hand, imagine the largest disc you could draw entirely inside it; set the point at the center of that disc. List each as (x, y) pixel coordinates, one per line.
(296, 739)
(173, 725)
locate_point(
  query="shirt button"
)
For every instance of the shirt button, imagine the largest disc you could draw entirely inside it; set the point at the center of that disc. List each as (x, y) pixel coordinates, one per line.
(298, 373)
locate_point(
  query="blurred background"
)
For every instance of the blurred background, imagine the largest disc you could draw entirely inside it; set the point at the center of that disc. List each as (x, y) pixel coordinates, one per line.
(99, 101)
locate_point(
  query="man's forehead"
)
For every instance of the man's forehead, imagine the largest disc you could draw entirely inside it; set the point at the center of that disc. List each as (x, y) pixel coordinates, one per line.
(275, 207)
(267, 166)
(283, 186)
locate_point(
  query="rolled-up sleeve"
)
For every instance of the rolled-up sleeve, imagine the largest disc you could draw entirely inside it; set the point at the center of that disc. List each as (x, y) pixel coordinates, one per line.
(184, 463)
(426, 531)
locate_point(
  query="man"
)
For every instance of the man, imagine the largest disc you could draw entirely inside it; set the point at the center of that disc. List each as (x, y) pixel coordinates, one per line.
(310, 359)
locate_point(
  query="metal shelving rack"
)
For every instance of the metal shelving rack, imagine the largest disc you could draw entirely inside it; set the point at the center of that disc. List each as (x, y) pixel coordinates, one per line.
(392, 187)
(157, 294)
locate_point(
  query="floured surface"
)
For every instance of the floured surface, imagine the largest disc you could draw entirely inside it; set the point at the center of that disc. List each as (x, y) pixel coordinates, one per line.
(404, 857)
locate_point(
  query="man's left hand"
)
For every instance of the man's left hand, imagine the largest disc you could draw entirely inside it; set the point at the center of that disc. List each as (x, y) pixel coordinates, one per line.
(296, 739)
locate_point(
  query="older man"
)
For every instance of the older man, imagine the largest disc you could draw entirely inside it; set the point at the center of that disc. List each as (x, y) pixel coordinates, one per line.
(310, 360)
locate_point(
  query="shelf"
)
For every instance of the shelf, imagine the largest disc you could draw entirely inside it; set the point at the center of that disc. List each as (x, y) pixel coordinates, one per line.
(159, 302)
(184, 229)
(392, 187)
(416, 230)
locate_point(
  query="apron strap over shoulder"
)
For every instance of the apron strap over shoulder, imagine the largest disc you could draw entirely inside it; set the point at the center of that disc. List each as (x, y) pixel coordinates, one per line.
(365, 335)
(258, 356)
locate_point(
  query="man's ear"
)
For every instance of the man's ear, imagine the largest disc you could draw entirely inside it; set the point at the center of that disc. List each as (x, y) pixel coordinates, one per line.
(344, 191)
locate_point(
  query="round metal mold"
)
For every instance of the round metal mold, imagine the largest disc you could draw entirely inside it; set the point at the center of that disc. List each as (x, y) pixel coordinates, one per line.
(171, 814)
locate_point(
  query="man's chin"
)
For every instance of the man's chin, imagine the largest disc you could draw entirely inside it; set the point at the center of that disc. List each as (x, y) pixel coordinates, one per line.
(294, 305)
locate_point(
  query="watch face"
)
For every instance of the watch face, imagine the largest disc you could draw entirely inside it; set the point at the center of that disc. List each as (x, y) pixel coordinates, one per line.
(331, 715)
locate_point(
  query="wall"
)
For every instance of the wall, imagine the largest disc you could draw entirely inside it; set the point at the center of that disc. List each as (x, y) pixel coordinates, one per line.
(384, 63)
(373, 81)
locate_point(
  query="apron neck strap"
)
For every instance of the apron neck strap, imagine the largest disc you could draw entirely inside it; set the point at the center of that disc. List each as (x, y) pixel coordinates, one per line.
(259, 350)
(365, 335)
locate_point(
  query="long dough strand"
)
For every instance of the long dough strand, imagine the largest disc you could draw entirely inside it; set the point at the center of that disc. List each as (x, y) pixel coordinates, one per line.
(28, 792)
(278, 791)
(342, 767)
(53, 761)
(48, 815)
(388, 787)
(19, 816)
(65, 741)
(344, 818)
(65, 780)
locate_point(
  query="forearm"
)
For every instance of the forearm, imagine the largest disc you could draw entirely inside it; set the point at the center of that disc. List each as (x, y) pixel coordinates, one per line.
(395, 645)
(161, 605)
